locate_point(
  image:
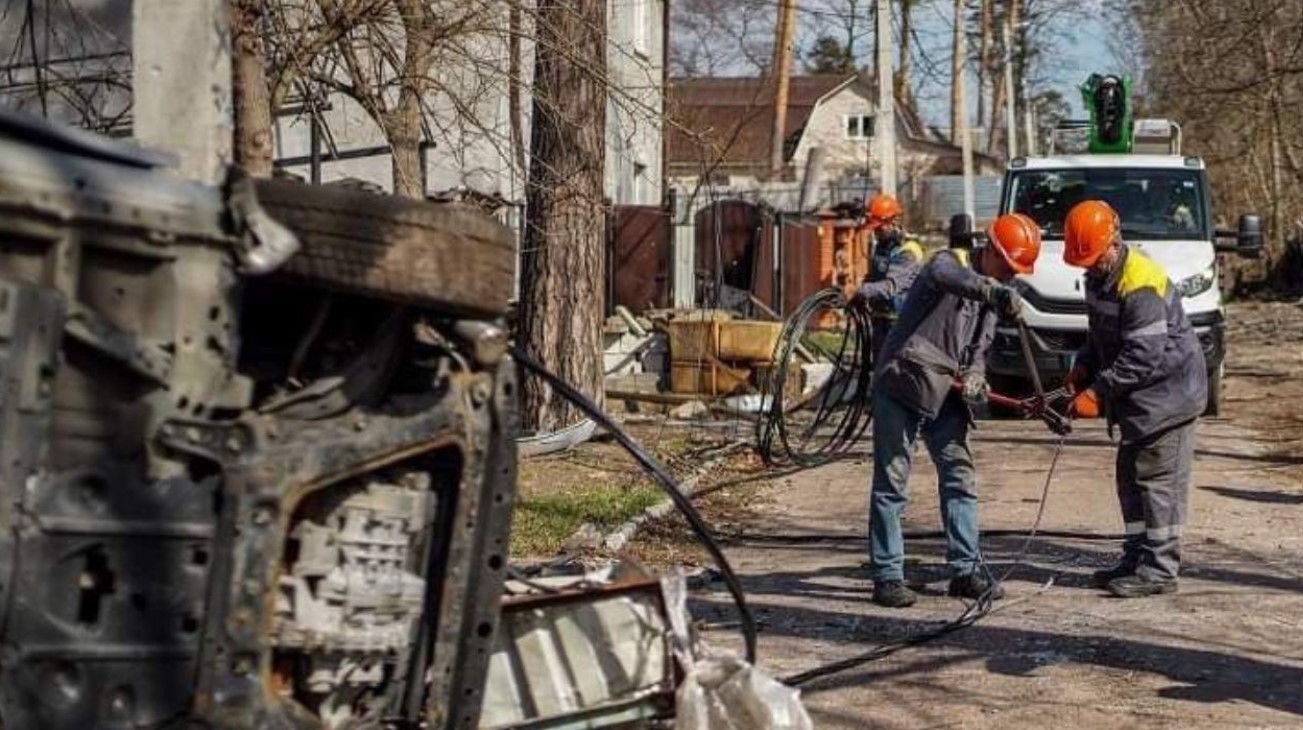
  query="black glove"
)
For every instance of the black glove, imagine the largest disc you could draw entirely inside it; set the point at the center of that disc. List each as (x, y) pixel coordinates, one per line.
(862, 295)
(1005, 299)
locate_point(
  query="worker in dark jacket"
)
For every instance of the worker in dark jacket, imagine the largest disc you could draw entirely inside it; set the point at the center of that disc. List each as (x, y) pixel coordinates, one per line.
(895, 263)
(1142, 367)
(941, 337)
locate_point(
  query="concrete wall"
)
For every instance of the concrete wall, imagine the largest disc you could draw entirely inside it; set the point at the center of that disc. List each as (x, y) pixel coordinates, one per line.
(634, 58)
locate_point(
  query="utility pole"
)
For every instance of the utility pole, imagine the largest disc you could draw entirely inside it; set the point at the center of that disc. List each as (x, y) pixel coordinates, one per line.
(884, 128)
(181, 83)
(1010, 120)
(782, 69)
(957, 52)
(1029, 124)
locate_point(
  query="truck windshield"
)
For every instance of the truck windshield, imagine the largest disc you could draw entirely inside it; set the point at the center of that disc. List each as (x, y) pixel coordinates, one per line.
(1154, 204)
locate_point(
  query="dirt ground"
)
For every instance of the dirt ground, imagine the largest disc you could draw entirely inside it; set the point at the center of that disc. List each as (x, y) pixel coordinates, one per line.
(1226, 651)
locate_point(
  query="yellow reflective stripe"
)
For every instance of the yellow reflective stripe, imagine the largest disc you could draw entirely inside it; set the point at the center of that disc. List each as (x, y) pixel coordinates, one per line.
(960, 254)
(1139, 272)
(912, 248)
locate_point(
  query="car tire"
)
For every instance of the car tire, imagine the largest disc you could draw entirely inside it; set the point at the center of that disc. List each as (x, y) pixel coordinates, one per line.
(446, 255)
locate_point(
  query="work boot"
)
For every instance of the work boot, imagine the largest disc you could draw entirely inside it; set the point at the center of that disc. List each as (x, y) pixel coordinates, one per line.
(973, 586)
(1138, 586)
(1101, 578)
(893, 594)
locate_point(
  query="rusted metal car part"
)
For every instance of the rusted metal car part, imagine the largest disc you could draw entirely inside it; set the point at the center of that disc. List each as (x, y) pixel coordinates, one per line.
(236, 501)
(593, 652)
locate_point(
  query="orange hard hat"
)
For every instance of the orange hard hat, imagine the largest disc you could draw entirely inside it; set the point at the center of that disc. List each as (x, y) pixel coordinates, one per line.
(1018, 240)
(883, 208)
(1091, 227)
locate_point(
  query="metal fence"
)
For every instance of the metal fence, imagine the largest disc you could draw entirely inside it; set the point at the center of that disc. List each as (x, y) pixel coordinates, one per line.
(943, 196)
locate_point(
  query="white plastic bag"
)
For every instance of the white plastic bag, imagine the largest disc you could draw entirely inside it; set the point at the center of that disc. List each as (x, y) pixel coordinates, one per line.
(721, 691)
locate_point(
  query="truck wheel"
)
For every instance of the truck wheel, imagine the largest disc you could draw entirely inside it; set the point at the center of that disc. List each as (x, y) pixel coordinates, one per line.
(1214, 407)
(445, 255)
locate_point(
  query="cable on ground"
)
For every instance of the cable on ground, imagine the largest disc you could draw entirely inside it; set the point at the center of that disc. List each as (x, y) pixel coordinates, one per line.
(665, 481)
(974, 612)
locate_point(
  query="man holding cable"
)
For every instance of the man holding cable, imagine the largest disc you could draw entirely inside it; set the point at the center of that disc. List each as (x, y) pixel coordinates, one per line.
(942, 335)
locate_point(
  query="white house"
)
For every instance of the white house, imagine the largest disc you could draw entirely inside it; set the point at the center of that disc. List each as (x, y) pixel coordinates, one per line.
(724, 129)
(470, 140)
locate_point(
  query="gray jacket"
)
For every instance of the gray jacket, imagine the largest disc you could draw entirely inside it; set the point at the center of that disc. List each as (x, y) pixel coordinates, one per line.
(1141, 355)
(944, 330)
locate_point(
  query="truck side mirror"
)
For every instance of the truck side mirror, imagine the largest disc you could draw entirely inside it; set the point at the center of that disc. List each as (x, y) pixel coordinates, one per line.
(961, 230)
(1248, 237)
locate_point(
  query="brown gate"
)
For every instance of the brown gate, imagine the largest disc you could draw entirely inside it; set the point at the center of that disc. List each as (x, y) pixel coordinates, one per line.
(638, 258)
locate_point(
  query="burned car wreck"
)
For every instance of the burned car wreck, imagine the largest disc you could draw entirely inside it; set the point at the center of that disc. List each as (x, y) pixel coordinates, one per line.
(247, 479)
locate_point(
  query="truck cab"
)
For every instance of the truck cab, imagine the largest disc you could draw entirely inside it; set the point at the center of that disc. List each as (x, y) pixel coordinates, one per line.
(1164, 202)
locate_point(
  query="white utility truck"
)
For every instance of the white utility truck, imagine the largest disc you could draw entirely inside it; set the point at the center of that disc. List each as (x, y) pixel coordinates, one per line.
(1164, 201)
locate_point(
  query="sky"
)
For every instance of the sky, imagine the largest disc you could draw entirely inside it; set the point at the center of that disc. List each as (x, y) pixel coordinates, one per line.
(1081, 48)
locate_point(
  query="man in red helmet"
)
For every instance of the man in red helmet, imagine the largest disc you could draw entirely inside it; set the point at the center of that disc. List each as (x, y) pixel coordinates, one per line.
(942, 335)
(1143, 367)
(892, 268)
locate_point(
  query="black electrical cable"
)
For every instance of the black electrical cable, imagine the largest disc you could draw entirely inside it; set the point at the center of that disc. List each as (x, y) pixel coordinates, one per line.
(820, 537)
(666, 482)
(972, 613)
(842, 406)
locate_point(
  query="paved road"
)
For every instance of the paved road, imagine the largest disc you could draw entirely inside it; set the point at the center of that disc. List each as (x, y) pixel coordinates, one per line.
(1227, 651)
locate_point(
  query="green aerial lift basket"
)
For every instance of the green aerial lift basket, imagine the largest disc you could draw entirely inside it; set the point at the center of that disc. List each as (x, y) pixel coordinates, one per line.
(1108, 100)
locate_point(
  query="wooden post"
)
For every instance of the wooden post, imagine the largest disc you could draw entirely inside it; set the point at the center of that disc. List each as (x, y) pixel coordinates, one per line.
(782, 70)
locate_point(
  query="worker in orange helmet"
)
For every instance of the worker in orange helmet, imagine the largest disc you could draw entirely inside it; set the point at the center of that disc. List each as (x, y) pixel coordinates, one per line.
(893, 266)
(942, 336)
(1142, 367)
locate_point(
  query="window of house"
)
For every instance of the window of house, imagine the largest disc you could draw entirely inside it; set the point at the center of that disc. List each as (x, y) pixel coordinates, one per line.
(859, 126)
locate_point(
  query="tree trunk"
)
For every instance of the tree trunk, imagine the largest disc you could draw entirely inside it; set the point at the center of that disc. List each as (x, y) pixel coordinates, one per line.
(403, 126)
(902, 71)
(562, 265)
(251, 94)
(995, 135)
(984, 61)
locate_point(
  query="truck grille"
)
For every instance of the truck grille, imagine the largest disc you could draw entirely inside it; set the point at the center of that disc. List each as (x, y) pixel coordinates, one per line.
(1051, 306)
(1061, 341)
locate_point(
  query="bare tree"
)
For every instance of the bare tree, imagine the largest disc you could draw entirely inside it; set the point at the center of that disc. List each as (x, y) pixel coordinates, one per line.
(561, 273)
(1237, 99)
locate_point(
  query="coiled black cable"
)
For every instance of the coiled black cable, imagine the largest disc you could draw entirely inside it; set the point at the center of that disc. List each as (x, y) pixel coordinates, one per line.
(841, 409)
(666, 483)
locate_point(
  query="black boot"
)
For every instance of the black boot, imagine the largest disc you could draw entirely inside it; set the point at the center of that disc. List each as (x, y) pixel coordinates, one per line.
(973, 586)
(1101, 578)
(893, 594)
(1139, 586)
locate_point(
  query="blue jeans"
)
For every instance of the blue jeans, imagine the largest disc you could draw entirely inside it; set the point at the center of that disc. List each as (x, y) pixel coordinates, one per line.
(895, 431)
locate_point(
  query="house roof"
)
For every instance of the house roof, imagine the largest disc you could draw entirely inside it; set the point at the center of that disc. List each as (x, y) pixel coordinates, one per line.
(731, 119)
(727, 122)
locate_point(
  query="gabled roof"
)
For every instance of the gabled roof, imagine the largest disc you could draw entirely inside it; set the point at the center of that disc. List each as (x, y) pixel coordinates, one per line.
(728, 121)
(731, 119)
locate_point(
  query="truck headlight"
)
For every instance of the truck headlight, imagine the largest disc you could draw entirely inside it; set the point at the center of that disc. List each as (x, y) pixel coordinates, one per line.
(1198, 284)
